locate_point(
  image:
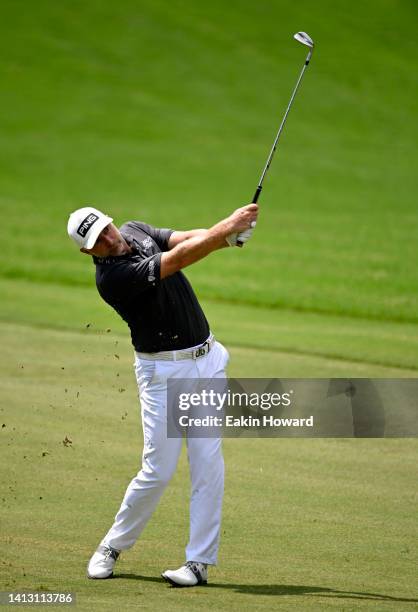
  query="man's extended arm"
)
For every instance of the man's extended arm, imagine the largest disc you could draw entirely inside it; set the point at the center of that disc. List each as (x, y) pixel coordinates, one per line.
(178, 237)
(199, 243)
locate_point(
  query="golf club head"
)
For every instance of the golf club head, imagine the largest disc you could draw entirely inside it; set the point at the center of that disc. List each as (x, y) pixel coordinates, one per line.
(305, 39)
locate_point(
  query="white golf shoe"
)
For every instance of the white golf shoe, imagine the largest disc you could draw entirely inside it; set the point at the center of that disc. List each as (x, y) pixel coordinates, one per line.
(191, 574)
(102, 562)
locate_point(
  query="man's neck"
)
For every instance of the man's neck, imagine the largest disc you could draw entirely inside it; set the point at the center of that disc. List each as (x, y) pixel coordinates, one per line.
(126, 248)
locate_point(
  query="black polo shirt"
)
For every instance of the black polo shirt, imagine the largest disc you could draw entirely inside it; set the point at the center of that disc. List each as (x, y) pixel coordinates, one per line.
(162, 314)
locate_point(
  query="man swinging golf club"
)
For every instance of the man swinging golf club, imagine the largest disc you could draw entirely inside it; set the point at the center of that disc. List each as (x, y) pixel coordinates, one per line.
(138, 272)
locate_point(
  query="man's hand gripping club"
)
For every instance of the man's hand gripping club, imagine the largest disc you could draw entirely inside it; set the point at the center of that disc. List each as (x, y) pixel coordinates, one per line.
(243, 235)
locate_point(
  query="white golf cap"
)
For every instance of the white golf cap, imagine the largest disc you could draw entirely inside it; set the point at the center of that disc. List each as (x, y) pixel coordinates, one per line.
(85, 225)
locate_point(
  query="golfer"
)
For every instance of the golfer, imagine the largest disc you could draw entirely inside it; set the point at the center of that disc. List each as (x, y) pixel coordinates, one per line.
(138, 272)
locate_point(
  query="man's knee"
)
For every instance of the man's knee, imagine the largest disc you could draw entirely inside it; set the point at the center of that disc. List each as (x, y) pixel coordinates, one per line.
(159, 474)
(205, 454)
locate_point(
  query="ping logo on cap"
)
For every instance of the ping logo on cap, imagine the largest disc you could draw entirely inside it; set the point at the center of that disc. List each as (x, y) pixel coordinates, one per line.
(86, 224)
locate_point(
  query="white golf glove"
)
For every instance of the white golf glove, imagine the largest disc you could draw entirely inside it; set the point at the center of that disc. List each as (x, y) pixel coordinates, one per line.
(242, 237)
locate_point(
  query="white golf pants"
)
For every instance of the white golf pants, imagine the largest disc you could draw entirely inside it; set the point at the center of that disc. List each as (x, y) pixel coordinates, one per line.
(160, 457)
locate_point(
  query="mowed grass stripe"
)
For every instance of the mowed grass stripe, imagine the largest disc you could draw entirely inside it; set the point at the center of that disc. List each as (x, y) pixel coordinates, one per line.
(250, 362)
(305, 297)
(338, 338)
(253, 361)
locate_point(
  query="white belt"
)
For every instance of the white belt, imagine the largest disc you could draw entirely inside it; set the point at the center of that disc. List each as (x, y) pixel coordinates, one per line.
(192, 353)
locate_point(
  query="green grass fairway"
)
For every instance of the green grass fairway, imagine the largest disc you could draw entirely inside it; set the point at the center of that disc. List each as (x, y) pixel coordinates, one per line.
(308, 524)
(164, 111)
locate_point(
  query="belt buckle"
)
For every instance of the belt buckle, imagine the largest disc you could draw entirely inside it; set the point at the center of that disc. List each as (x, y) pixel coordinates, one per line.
(202, 350)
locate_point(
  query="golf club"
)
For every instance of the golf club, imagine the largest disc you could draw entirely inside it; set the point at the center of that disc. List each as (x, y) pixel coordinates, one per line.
(306, 40)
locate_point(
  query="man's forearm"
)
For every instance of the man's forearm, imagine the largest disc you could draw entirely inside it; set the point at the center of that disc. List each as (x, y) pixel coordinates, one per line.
(194, 247)
(202, 233)
(187, 249)
(178, 237)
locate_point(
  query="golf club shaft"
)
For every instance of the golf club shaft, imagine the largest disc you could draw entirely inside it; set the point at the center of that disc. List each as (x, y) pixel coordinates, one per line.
(276, 140)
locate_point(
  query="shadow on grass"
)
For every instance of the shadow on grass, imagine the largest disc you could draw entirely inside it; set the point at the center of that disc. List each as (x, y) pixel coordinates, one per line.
(284, 589)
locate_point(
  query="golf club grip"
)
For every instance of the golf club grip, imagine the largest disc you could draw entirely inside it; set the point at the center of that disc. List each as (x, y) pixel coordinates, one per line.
(256, 195)
(254, 201)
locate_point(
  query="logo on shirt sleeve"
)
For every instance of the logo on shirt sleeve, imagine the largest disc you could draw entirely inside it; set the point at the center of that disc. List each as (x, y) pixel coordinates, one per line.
(151, 270)
(86, 224)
